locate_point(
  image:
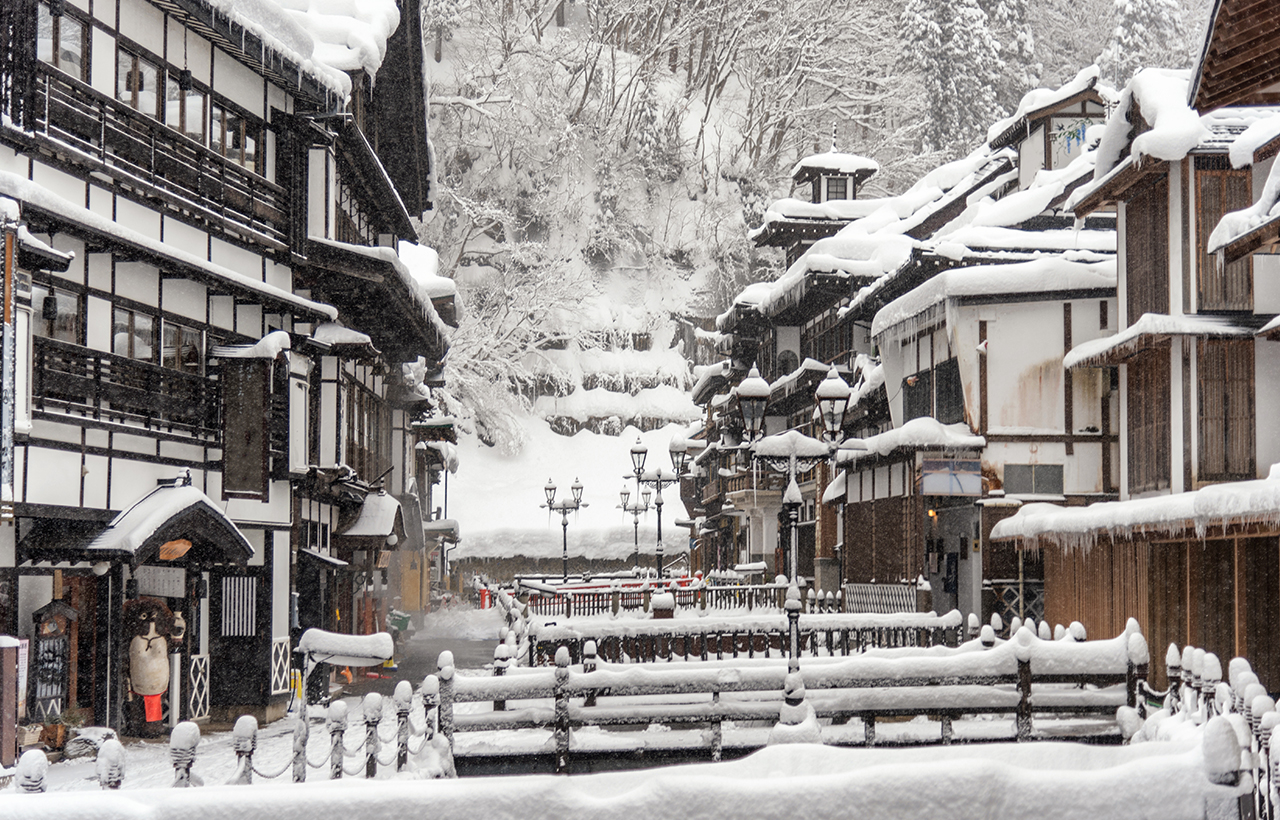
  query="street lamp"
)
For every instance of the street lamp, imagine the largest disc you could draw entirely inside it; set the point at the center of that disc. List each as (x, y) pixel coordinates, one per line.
(655, 478)
(635, 509)
(832, 397)
(564, 507)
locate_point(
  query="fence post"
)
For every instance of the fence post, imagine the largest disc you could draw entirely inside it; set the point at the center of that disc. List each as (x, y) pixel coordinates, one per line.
(182, 752)
(589, 661)
(335, 720)
(403, 697)
(793, 628)
(445, 675)
(1024, 699)
(560, 689)
(1173, 673)
(301, 732)
(244, 739)
(110, 764)
(568, 605)
(372, 708)
(869, 729)
(501, 660)
(717, 733)
(32, 767)
(615, 599)
(840, 599)
(430, 692)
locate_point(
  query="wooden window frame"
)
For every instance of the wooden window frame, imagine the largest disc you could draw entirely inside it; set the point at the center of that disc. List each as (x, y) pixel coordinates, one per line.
(247, 122)
(122, 51)
(1221, 189)
(56, 24)
(1150, 420)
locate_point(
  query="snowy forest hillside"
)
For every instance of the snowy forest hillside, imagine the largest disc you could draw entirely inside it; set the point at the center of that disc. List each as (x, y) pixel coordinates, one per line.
(600, 163)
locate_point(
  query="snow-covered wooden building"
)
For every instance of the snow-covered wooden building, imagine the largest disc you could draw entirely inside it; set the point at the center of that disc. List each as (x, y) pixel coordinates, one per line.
(1191, 547)
(213, 293)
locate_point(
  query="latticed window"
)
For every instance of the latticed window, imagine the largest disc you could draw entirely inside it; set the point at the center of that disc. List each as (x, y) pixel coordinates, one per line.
(353, 224)
(1226, 428)
(138, 82)
(1147, 248)
(1221, 189)
(1149, 412)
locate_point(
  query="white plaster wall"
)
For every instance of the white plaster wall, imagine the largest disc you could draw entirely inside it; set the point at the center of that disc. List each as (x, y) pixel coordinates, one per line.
(280, 584)
(186, 237)
(69, 244)
(34, 591)
(138, 281)
(222, 312)
(98, 323)
(1030, 157)
(47, 477)
(1266, 283)
(249, 320)
(8, 541)
(1024, 369)
(199, 56)
(275, 510)
(279, 275)
(138, 217)
(238, 259)
(131, 480)
(22, 372)
(237, 83)
(1266, 363)
(64, 185)
(1122, 302)
(185, 298)
(98, 271)
(317, 195)
(328, 415)
(1176, 227)
(101, 202)
(143, 23)
(102, 56)
(95, 482)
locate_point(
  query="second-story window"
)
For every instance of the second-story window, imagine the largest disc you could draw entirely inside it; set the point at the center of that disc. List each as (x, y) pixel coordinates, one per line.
(63, 42)
(181, 350)
(235, 136)
(184, 109)
(138, 82)
(57, 314)
(837, 188)
(133, 335)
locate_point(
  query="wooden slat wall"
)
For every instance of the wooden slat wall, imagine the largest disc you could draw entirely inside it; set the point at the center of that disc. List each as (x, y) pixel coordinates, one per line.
(1101, 587)
(1226, 423)
(1149, 420)
(1147, 248)
(1220, 190)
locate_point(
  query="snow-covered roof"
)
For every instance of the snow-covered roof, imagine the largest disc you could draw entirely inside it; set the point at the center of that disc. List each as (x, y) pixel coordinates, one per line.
(31, 193)
(1149, 329)
(1262, 215)
(1041, 101)
(332, 333)
(324, 38)
(379, 516)
(419, 281)
(268, 347)
(1234, 503)
(833, 162)
(1045, 276)
(837, 488)
(923, 433)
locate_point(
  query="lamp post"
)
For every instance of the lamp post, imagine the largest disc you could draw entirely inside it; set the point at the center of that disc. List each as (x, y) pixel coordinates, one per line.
(790, 453)
(832, 397)
(564, 506)
(656, 478)
(635, 509)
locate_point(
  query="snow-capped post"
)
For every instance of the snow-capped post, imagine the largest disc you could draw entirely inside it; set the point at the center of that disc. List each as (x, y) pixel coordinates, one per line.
(32, 767)
(335, 721)
(301, 733)
(1136, 668)
(717, 731)
(810, 600)
(1173, 671)
(1210, 677)
(589, 661)
(430, 692)
(501, 660)
(110, 764)
(444, 667)
(792, 606)
(1022, 650)
(244, 739)
(568, 605)
(831, 601)
(182, 752)
(372, 709)
(403, 698)
(987, 636)
(974, 625)
(840, 600)
(560, 688)
(615, 598)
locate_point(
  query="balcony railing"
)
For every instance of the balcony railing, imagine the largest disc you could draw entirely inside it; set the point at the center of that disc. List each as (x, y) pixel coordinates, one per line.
(140, 152)
(75, 379)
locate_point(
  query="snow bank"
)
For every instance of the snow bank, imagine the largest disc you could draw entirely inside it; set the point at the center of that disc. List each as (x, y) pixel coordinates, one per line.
(347, 650)
(1049, 781)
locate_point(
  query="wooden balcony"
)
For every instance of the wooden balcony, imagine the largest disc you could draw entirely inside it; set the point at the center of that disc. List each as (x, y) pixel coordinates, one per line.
(73, 379)
(96, 134)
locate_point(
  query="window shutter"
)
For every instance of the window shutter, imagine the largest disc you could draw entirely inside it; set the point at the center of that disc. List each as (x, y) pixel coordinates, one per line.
(245, 405)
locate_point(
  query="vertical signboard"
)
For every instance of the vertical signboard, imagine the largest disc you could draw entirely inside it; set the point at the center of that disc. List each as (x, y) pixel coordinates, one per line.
(8, 368)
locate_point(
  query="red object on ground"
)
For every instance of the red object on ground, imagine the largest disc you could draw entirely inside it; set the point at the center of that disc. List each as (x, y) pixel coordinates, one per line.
(484, 599)
(153, 707)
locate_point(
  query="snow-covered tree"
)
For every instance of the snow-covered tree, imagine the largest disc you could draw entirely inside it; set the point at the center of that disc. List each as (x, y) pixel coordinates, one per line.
(1010, 22)
(1146, 33)
(950, 44)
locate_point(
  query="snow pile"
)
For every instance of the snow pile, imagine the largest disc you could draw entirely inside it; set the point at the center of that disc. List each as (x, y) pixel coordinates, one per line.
(1161, 98)
(923, 433)
(331, 333)
(834, 162)
(1149, 325)
(1238, 223)
(1219, 505)
(268, 347)
(347, 650)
